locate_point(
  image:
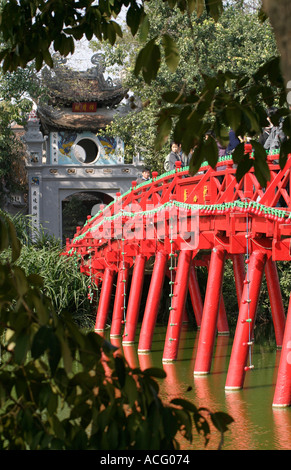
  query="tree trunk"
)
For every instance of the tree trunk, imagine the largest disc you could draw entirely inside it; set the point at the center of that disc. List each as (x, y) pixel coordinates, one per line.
(279, 13)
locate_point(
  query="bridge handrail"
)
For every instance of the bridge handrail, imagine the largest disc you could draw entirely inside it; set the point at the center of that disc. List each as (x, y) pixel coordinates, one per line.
(161, 189)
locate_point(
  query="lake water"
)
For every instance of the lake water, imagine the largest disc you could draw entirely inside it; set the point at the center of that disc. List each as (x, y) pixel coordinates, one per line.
(257, 425)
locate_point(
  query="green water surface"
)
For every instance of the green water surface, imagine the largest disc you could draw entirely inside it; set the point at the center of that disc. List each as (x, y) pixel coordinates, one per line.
(257, 425)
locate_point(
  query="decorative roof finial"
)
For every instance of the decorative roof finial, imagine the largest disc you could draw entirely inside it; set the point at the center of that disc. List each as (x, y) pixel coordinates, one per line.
(98, 61)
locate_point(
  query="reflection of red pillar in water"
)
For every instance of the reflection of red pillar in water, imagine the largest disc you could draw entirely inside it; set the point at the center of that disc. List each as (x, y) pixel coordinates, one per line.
(117, 343)
(153, 302)
(282, 431)
(237, 409)
(145, 361)
(282, 396)
(178, 303)
(245, 322)
(104, 301)
(276, 301)
(171, 384)
(134, 299)
(130, 355)
(210, 312)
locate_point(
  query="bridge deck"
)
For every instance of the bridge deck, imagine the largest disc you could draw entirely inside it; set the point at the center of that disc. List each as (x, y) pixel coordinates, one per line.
(218, 209)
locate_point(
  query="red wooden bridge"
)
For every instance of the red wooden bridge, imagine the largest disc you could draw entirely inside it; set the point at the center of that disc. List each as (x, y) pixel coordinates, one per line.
(177, 222)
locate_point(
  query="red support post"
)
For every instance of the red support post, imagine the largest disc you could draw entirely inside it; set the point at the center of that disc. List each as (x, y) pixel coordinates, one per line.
(276, 301)
(134, 299)
(246, 320)
(104, 301)
(178, 304)
(222, 323)
(239, 274)
(152, 303)
(282, 395)
(210, 312)
(118, 309)
(195, 295)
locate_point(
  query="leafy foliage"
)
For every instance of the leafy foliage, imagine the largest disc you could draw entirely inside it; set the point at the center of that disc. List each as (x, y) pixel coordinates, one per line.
(15, 104)
(62, 280)
(238, 42)
(67, 390)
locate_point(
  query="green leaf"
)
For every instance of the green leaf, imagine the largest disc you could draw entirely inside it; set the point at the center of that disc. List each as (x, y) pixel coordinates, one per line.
(238, 153)
(35, 280)
(174, 97)
(41, 341)
(233, 115)
(171, 52)
(243, 167)
(221, 420)
(155, 372)
(198, 157)
(120, 370)
(252, 120)
(214, 8)
(191, 5)
(14, 241)
(268, 95)
(21, 347)
(133, 17)
(164, 129)
(187, 405)
(4, 238)
(199, 7)
(261, 166)
(285, 150)
(148, 61)
(20, 281)
(66, 355)
(262, 171)
(130, 390)
(212, 151)
(144, 28)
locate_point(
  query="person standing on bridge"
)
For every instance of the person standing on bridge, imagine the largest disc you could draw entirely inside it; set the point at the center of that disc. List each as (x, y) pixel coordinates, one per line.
(173, 157)
(146, 174)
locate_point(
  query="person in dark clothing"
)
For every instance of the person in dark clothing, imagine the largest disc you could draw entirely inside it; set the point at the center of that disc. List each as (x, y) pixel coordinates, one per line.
(146, 174)
(276, 135)
(233, 142)
(173, 157)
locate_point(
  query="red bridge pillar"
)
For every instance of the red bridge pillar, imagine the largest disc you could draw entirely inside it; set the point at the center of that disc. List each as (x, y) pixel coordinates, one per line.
(276, 301)
(118, 309)
(245, 322)
(282, 396)
(222, 323)
(134, 299)
(210, 312)
(153, 302)
(104, 301)
(195, 295)
(239, 274)
(178, 304)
